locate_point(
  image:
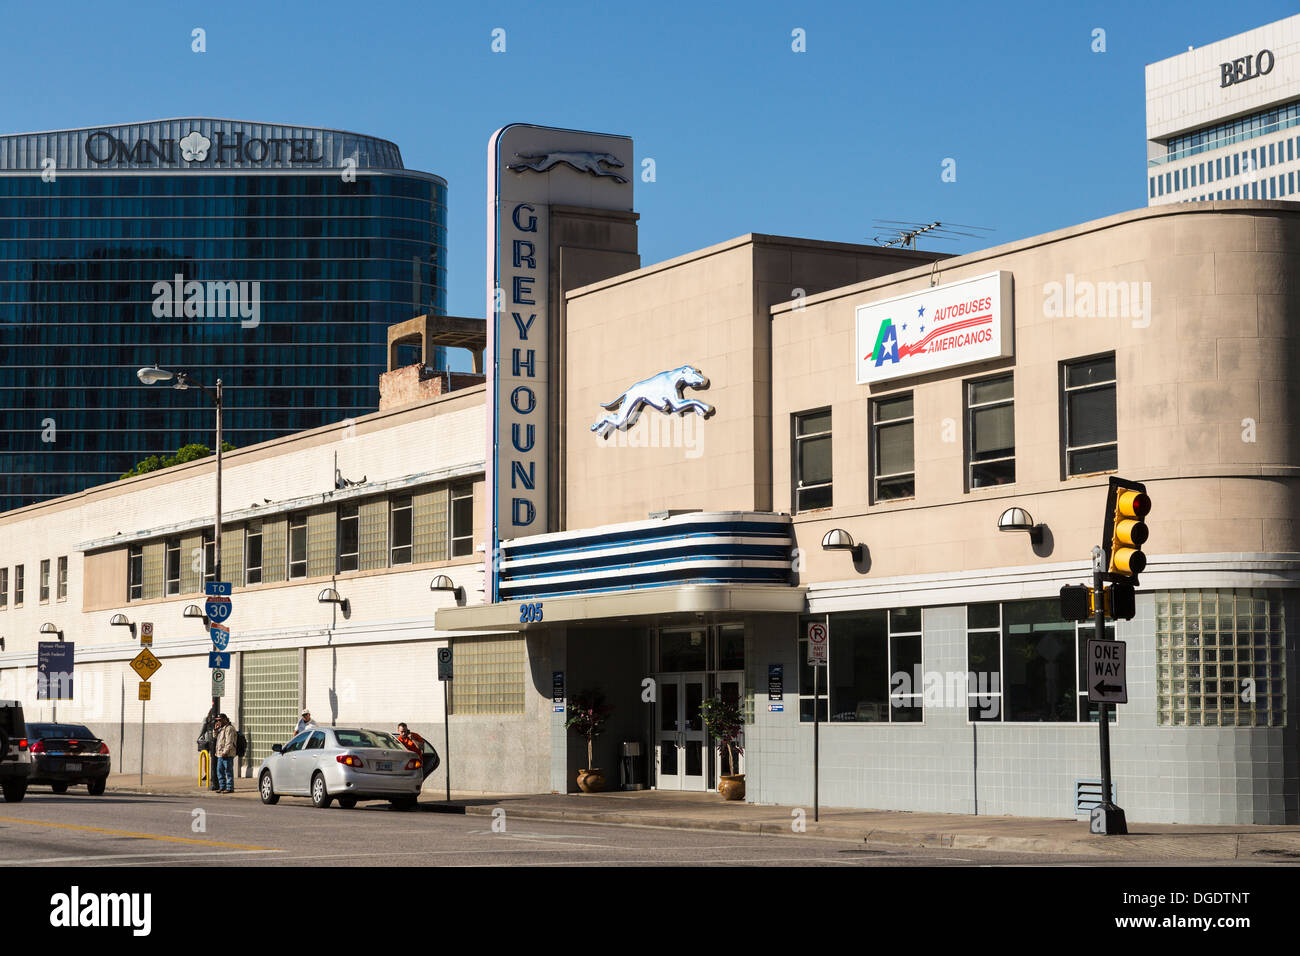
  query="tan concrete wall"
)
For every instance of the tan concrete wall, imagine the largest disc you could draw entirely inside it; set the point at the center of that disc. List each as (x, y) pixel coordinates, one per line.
(709, 309)
(1213, 363)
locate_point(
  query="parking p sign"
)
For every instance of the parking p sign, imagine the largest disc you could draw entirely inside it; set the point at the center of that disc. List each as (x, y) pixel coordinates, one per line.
(817, 640)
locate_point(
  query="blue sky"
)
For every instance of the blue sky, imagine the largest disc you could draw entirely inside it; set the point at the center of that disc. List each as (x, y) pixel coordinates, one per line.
(747, 135)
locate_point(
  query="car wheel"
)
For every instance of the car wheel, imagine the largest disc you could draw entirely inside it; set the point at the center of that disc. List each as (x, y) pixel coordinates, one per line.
(266, 790)
(347, 803)
(403, 803)
(320, 797)
(59, 787)
(14, 792)
(96, 787)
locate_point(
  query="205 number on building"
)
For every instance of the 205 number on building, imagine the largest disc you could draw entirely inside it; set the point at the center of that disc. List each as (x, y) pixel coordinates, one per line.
(530, 613)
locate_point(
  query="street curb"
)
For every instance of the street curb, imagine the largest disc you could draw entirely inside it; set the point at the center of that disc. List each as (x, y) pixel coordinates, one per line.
(930, 840)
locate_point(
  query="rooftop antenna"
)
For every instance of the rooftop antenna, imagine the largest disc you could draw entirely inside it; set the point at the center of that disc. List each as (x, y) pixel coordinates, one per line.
(904, 234)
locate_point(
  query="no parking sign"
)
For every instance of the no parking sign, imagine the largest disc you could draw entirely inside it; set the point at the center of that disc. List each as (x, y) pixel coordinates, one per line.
(817, 640)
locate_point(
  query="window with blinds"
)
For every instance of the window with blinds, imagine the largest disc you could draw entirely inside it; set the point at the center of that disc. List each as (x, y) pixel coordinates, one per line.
(990, 432)
(490, 674)
(812, 460)
(892, 447)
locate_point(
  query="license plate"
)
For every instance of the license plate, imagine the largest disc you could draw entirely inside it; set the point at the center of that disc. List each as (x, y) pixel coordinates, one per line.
(72, 767)
(385, 765)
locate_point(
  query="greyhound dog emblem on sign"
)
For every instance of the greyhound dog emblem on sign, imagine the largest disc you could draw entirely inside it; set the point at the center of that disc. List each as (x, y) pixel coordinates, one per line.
(662, 392)
(583, 162)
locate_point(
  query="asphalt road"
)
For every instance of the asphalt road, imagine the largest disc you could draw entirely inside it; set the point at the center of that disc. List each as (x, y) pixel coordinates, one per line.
(121, 830)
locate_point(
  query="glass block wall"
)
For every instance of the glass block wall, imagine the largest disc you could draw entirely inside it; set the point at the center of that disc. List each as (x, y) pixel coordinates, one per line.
(1221, 658)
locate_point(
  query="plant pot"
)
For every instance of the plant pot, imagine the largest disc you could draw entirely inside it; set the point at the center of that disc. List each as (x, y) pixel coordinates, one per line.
(591, 781)
(732, 786)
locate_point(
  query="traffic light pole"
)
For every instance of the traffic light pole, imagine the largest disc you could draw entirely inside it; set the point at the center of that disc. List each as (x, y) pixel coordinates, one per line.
(1106, 818)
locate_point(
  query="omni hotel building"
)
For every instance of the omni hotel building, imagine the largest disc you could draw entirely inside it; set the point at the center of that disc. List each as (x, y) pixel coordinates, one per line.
(708, 435)
(308, 244)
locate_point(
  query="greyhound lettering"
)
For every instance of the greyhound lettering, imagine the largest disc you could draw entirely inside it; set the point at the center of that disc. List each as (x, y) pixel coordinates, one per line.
(662, 392)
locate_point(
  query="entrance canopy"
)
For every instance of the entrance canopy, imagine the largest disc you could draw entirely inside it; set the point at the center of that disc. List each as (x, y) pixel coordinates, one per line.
(534, 613)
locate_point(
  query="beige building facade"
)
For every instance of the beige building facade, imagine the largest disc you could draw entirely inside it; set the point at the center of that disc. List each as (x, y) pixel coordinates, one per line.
(761, 440)
(689, 561)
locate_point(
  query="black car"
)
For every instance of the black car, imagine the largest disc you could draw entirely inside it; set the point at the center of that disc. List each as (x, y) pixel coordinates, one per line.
(67, 754)
(15, 760)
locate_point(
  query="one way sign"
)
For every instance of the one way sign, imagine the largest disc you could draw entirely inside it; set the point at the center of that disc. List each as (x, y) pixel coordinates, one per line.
(1107, 675)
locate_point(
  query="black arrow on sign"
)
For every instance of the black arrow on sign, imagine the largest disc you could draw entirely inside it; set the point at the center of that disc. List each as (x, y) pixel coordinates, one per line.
(1103, 688)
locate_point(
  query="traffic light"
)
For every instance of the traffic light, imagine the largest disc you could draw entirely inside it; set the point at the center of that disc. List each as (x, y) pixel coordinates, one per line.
(1125, 530)
(1121, 603)
(1076, 603)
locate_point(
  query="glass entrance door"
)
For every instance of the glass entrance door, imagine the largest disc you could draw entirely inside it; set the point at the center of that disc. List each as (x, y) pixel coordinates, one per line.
(679, 733)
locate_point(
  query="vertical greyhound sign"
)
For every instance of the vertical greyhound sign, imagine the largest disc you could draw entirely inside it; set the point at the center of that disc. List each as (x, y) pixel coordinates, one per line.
(530, 169)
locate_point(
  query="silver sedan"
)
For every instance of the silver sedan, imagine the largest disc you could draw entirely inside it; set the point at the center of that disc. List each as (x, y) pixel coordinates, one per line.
(329, 763)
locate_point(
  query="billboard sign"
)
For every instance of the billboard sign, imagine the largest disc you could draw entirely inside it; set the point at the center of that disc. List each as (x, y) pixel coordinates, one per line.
(940, 328)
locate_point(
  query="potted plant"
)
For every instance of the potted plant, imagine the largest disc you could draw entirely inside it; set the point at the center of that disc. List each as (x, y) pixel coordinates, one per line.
(722, 720)
(588, 714)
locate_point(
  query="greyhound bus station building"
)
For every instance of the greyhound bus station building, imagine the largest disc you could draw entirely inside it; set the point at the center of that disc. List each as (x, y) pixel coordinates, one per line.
(846, 436)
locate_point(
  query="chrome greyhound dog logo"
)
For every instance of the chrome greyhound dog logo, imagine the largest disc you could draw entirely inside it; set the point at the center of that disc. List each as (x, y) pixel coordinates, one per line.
(582, 162)
(194, 148)
(662, 392)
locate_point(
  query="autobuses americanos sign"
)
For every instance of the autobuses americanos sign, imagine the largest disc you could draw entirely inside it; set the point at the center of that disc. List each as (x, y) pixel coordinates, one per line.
(943, 327)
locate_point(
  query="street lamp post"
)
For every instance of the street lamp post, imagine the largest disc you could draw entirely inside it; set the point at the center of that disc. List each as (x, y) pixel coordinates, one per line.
(183, 380)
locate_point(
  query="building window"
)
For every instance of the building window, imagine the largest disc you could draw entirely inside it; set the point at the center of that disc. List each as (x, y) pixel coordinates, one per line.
(4, 588)
(19, 585)
(1221, 658)
(298, 545)
(349, 518)
(253, 553)
(1025, 665)
(490, 676)
(399, 523)
(991, 432)
(173, 566)
(45, 581)
(62, 579)
(462, 520)
(135, 573)
(812, 460)
(1088, 406)
(892, 447)
(873, 672)
(209, 557)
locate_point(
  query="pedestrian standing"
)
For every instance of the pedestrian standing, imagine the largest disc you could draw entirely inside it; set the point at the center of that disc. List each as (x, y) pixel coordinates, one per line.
(227, 743)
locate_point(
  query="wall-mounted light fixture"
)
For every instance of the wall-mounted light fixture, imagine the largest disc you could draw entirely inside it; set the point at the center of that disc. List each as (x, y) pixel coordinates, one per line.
(48, 628)
(121, 620)
(2, 643)
(193, 610)
(1018, 519)
(837, 539)
(443, 583)
(330, 596)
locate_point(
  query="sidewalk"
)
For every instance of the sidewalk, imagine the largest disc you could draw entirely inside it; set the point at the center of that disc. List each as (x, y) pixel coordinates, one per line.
(707, 811)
